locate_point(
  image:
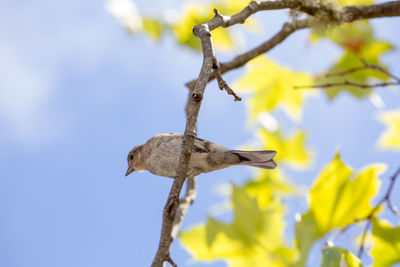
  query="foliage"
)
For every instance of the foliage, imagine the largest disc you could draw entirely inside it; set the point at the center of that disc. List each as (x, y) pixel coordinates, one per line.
(385, 243)
(336, 200)
(340, 197)
(390, 138)
(335, 256)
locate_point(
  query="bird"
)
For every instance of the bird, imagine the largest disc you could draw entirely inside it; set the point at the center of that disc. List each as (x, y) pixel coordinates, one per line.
(160, 156)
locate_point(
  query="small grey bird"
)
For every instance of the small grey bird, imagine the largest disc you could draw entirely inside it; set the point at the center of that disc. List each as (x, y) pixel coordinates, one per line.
(160, 156)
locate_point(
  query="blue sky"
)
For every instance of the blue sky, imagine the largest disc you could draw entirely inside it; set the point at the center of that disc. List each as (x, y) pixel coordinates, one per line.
(77, 92)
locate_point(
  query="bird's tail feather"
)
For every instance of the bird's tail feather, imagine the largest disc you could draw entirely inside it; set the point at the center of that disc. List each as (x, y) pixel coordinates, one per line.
(260, 159)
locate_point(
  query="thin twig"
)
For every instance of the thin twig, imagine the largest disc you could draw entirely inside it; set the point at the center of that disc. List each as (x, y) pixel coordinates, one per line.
(355, 84)
(365, 66)
(370, 216)
(363, 238)
(222, 84)
(342, 73)
(169, 259)
(348, 83)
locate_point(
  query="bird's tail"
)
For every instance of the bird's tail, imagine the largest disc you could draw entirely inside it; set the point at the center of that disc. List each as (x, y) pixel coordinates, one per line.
(260, 159)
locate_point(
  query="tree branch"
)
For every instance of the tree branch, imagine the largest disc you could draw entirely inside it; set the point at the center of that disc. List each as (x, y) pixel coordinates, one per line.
(346, 14)
(363, 67)
(349, 83)
(184, 204)
(355, 84)
(203, 31)
(170, 210)
(370, 216)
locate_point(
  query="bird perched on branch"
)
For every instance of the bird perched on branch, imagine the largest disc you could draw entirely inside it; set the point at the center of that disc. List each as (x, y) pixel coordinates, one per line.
(160, 156)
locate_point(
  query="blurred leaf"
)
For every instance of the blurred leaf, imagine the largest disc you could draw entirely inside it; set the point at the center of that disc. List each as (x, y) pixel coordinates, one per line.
(336, 256)
(337, 199)
(359, 43)
(291, 150)
(355, 2)
(153, 27)
(273, 86)
(390, 138)
(254, 238)
(267, 185)
(385, 244)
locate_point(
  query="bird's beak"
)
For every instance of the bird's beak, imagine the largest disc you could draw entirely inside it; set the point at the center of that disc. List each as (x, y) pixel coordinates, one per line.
(129, 171)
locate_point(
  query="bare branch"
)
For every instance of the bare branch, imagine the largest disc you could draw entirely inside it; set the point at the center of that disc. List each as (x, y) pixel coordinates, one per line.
(240, 60)
(370, 216)
(389, 9)
(365, 66)
(170, 210)
(184, 204)
(349, 83)
(355, 84)
(343, 73)
(363, 238)
(389, 192)
(346, 14)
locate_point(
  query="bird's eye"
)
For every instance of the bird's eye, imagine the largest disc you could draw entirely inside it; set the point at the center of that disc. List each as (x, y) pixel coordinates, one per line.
(131, 157)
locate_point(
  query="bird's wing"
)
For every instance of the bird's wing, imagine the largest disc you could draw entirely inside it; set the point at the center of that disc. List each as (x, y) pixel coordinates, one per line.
(201, 146)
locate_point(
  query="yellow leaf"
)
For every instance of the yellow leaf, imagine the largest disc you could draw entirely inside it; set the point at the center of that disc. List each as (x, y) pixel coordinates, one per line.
(385, 244)
(337, 199)
(291, 150)
(265, 187)
(153, 27)
(356, 2)
(254, 238)
(390, 138)
(273, 86)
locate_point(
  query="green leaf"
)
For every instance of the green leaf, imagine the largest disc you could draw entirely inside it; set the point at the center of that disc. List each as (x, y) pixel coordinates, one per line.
(273, 86)
(385, 244)
(338, 198)
(336, 256)
(291, 150)
(253, 238)
(390, 138)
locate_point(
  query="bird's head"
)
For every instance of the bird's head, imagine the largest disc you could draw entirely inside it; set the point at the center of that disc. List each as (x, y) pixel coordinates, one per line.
(133, 158)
